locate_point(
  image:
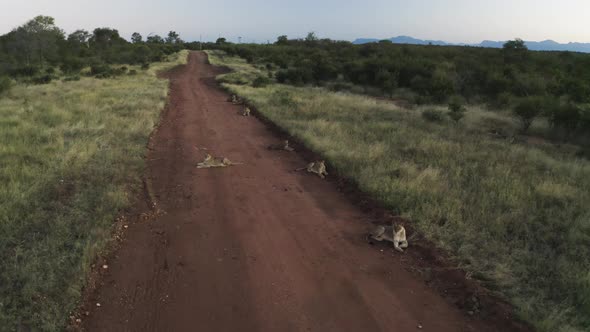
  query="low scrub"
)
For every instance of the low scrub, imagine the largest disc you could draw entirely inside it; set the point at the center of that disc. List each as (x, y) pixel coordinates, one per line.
(5, 84)
(433, 115)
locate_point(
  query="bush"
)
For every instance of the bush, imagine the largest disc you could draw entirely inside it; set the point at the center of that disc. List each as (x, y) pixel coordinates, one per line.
(43, 79)
(456, 108)
(432, 115)
(100, 70)
(339, 86)
(103, 75)
(502, 101)
(261, 82)
(133, 72)
(72, 65)
(583, 153)
(5, 84)
(119, 71)
(566, 115)
(71, 78)
(282, 97)
(145, 66)
(295, 76)
(527, 109)
(25, 71)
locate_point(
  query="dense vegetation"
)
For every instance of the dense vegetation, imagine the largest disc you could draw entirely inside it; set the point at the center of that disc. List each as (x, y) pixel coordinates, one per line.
(39, 51)
(71, 151)
(556, 85)
(513, 212)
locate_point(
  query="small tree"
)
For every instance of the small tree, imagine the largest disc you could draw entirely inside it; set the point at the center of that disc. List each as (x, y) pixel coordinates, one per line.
(155, 39)
(220, 41)
(526, 111)
(72, 65)
(136, 38)
(5, 84)
(515, 51)
(456, 109)
(37, 40)
(386, 80)
(282, 40)
(311, 38)
(79, 37)
(173, 38)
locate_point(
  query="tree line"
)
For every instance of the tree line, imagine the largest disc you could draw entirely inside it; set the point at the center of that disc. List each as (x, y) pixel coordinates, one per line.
(34, 51)
(530, 83)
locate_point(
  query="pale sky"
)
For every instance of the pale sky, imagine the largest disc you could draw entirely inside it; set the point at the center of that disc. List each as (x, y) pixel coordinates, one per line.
(469, 21)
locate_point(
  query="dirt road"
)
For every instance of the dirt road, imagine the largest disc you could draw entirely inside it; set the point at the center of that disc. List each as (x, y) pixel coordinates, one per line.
(253, 247)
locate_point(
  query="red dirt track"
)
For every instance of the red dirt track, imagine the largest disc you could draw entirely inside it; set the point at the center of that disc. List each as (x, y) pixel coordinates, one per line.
(253, 247)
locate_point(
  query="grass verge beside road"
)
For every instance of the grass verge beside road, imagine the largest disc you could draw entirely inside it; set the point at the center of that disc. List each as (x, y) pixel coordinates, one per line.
(71, 157)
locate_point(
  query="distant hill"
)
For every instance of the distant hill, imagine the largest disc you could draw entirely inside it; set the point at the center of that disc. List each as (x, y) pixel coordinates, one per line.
(546, 45)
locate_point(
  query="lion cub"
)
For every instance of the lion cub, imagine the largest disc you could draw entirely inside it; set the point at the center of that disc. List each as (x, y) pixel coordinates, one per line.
(285, 146)
(210, 162)
(246, 112)
(395, 233)
(317, 167)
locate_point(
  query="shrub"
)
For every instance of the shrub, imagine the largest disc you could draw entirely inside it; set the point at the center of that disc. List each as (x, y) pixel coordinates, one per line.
(281, 76)
(71, 78)
(72, 65)
(103, 75)
(339, 86)
(502, 101)
(295, 76)
(119, 71)
(566, 116)
(433, 115)
(100, 70)
(260, 82)
(145, 66)
(583, 152)
(133, 72)
(282, 97)
(25, 71)
(527, 109)
(43, 79)
(456, 108)
(5, 84)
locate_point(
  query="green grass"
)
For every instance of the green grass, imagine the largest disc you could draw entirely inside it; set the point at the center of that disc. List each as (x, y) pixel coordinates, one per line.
(242, 72)
(71, 156)
(516, 215)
